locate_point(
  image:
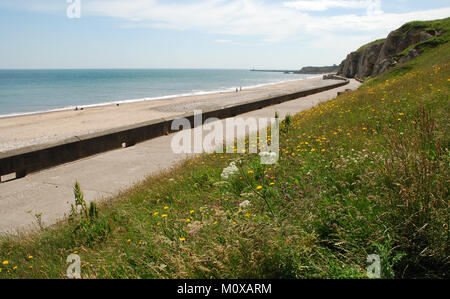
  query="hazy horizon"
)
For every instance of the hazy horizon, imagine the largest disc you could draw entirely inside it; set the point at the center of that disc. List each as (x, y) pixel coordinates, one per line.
(197, 34)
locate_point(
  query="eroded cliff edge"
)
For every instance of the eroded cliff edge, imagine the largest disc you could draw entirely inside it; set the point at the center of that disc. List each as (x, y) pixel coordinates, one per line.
(401, 45)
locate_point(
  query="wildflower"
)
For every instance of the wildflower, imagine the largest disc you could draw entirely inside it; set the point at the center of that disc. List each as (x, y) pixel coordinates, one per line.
(188, 220)
(247, 215)
(31, 267)
(75, 252)
(251, 172)
(15, 268)
(30, 257)
(192, 212)
(271, 184)
(259, 188)
(166, 208)
(164, 216)
(182, 239)
(229, 171)
(129, 240)
(244, 204)
(5, 263)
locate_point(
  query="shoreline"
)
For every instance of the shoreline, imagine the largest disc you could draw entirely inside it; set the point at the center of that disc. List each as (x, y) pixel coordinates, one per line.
(31, 130)
(149, 99)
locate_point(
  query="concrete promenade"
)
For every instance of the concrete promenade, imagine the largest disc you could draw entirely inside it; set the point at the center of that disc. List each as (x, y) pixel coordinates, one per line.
(49, 192)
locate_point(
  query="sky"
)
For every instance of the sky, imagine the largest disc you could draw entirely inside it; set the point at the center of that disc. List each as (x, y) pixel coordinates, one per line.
(225, 34)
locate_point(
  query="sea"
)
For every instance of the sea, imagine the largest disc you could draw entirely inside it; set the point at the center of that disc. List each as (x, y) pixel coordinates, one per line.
(34, 91)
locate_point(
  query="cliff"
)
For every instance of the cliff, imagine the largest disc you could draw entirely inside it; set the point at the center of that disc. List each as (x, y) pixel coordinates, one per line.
(401, 45)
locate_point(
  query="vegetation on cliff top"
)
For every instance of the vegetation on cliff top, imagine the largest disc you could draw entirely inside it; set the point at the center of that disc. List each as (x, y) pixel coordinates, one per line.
(366, 173)
(378, 41)
(402, 45)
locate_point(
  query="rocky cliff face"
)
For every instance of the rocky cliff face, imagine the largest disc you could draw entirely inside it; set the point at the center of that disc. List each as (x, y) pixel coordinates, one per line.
(375, 58)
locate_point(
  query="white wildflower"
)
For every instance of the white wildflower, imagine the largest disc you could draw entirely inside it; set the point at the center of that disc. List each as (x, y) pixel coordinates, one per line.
(244, 204)
(229, 171)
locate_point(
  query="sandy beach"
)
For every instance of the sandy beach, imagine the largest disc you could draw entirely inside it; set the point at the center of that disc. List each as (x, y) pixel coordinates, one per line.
(21, 131)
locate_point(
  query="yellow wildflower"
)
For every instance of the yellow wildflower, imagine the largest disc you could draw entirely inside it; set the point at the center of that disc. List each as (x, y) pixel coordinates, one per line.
(259, 188)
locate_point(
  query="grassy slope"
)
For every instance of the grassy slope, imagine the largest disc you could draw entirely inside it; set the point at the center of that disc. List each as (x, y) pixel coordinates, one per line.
(378, 41)
(442, 25)
(365, 173)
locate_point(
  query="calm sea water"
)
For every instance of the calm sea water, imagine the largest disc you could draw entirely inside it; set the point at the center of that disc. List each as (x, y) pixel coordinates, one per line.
(25, 91)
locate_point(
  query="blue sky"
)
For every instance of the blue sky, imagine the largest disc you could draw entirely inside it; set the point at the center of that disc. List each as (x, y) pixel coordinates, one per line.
(285, 34)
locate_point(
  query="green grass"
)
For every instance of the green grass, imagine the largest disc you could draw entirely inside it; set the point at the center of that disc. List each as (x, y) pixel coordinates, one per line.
(378, 41)
(366, 173)
(431, 27)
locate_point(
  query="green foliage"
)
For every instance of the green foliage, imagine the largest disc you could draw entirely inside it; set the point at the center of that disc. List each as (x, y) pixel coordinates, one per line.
(378, 41)
(85, 219)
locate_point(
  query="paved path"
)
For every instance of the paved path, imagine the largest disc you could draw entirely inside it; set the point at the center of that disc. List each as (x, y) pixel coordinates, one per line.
(50, 191)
